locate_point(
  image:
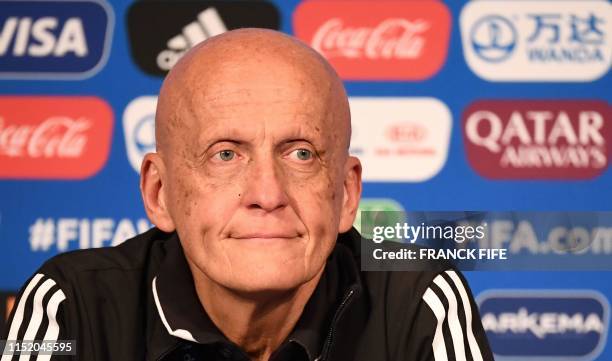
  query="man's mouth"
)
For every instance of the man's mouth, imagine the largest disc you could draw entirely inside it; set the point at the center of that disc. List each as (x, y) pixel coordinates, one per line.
(264, 235)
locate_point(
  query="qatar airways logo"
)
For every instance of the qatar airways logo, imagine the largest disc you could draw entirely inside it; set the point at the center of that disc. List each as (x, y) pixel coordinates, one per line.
(383, 40)
(538, 139)
(392, 38)
(53, 137)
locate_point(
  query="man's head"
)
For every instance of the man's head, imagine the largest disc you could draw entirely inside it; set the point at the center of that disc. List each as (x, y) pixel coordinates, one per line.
(252, 167)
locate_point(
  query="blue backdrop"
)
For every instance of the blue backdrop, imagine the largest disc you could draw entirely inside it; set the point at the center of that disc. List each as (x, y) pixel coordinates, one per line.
(42, 217)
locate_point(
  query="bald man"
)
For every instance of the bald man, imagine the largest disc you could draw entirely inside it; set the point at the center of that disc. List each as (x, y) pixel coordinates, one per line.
(253, 257)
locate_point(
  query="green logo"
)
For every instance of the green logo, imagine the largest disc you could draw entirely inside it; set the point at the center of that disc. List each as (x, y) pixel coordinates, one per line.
(378, 212)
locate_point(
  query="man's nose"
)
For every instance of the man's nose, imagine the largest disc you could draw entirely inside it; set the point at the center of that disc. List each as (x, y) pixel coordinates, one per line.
(264, 186)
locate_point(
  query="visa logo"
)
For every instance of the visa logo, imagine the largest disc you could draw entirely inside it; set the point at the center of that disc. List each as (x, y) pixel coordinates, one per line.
(54, 39)
(41, 37)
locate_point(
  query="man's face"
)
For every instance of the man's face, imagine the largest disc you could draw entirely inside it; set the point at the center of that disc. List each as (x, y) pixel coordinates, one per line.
(254, 183)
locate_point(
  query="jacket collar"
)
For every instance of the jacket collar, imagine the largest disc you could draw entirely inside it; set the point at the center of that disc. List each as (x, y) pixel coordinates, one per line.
(176, 316)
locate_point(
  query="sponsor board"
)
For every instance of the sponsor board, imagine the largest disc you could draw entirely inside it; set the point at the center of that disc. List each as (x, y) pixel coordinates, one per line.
(538, 139)
(160, 32)
(509, 40)
(53, 137)
(66, 39)
(139, 129)
(400, 139)
(64, 234)
(545, 324)
(388, 207)
(550, 236)
(382, 40)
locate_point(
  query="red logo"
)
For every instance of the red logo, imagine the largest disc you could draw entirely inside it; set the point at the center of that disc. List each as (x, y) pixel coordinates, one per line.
(53, 137)
(406, 132)
(517, 139)
(382, 40)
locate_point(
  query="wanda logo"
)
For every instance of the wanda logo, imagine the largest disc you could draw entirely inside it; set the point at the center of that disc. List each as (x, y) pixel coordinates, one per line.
(517, 139)
(384, 40)
(53, 137)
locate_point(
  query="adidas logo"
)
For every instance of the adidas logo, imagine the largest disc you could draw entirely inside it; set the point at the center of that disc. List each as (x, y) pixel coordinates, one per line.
(160, 32)
(208, 24)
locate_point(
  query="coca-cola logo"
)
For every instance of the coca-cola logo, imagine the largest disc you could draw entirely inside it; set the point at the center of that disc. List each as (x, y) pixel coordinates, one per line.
(53, 137)
(392, 38)
(383, 40)
(538, 139)
(60, 137)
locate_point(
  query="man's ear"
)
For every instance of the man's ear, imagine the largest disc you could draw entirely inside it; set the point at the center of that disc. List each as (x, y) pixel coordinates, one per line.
(352, 193)
(153, 192)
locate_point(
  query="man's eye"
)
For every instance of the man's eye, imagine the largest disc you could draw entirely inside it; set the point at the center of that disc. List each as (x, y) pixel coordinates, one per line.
(226, 155)
(302, 154)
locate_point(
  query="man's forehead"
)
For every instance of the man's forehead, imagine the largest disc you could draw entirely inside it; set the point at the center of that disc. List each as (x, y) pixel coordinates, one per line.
(261, 98)
(262, 73)
(262, 130)
(244, 95)
(247, 112)
(271, 97)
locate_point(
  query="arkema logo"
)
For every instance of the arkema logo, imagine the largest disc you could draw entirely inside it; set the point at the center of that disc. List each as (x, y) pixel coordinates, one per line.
(515, 40)
(377, 40)
(400, 139)
(68, 39)
(161, 32)
(520, 139)
(545, 324)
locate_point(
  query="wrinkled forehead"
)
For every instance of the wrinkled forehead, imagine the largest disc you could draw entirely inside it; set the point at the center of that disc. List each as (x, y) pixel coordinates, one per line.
(284, 97)
(242, 83)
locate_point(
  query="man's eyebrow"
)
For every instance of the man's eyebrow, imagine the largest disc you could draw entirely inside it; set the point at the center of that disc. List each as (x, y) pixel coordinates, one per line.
(211, 143)
(291, 140)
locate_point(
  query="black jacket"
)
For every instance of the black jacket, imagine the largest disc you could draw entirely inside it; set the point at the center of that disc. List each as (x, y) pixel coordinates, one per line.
(137, 301)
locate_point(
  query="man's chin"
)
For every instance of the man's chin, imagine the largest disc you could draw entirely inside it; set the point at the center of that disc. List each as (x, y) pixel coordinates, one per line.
(265, 282)
(262, 273)
(263, 268)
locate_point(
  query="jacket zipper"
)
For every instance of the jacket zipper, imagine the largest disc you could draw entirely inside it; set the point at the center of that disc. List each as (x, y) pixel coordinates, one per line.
(330, 334)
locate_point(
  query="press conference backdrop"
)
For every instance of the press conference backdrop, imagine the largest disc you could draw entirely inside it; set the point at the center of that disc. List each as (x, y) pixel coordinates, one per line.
(481, 105)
